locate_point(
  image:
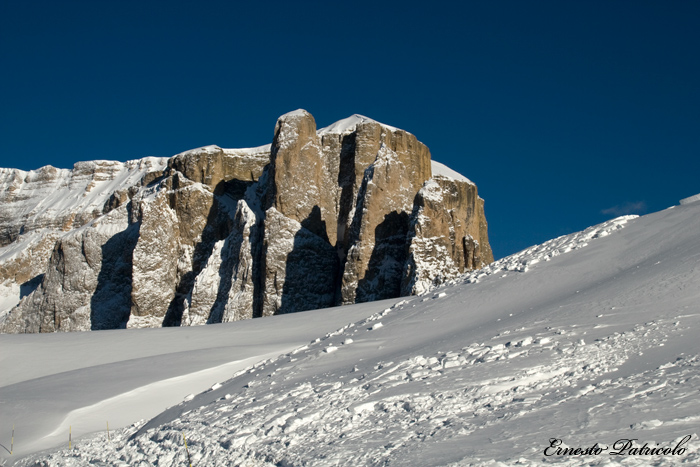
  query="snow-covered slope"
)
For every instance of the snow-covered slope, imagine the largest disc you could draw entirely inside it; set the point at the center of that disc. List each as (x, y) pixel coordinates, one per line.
(348, 125)
(589, 338)
(444, 171)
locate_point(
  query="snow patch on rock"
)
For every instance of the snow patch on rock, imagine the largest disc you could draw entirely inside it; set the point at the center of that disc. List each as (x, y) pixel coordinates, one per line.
(443, 171)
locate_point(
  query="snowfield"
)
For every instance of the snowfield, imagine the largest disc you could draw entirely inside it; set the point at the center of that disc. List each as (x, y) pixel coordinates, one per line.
(582, 351)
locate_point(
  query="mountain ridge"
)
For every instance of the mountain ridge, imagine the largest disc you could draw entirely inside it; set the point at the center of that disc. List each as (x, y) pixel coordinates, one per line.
(210, 234)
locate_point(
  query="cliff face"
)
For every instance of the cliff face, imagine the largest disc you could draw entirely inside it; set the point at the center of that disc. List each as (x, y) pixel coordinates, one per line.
(349, 213)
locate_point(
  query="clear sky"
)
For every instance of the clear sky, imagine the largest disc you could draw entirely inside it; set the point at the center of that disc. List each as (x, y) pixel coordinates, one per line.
(564, 113)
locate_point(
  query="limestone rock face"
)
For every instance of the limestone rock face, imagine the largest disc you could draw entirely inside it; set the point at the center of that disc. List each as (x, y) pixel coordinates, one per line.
(378, 230)
(214, 167)
(300, 267)
(87, 282)
(28, 263)
(353, 212)
(225, 289)
(154, 269)
(296, 156)
(446, 234)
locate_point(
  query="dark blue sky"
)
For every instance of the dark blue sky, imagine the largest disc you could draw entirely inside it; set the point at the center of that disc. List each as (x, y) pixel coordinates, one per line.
(565, 113)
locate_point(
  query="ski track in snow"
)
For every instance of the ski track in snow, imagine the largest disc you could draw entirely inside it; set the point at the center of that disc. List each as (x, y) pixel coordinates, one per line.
(360, 396)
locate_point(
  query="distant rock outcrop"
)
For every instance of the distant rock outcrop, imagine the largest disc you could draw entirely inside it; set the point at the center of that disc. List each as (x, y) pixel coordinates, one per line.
(350, 213)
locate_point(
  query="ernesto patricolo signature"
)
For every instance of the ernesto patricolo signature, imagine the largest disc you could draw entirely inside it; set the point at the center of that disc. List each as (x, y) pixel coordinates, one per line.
(621, 447)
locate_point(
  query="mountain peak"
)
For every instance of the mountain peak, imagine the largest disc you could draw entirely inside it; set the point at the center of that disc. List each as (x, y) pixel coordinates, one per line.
(189, 240)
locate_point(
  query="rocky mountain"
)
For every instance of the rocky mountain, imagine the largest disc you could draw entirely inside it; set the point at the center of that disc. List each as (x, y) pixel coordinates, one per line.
(353, 212)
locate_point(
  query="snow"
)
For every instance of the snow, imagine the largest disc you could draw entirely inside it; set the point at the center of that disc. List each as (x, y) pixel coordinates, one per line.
(691, 199)
(43, 194)
(587, 338)
(90, 373)
(348, 125)
(591, 338)
(212, 148)
(9, 297)
(431, 191)
(239, 152)
(263, 150)
(444, 171)
(295, 113)
(14, 249)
